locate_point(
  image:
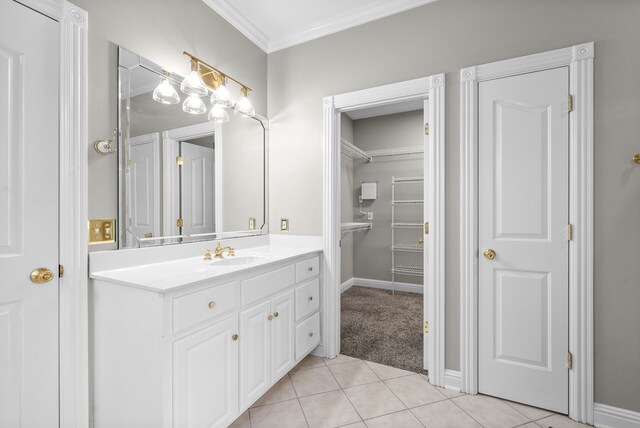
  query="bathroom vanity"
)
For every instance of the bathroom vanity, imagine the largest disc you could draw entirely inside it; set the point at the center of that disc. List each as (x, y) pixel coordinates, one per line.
(180, 341)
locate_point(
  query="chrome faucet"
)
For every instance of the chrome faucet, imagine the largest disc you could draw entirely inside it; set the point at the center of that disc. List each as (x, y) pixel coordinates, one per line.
(219, 251)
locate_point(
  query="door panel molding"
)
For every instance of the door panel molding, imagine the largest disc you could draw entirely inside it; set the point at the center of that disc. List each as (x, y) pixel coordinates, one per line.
(579, 59)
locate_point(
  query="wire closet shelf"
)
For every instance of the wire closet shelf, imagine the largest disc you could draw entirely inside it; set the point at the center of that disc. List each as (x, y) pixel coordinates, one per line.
(355, 227)
(350, 150)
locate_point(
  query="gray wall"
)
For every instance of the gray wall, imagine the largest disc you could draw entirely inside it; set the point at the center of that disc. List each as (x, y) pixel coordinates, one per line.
(346, 202)
(443, 37)
(159, 30)
(372, 249)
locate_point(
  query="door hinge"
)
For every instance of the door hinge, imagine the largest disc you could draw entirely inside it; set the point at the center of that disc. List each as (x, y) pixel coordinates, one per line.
(60, 271)
(179, 160)
(426, 129)
(426, 228)
(569, 360)
(426, 326)
(570, 232)
(570, 103)
(180, 223)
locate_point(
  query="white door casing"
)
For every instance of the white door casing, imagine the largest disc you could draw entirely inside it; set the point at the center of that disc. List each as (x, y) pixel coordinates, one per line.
(198, 193)
(523, 202)
(206, 376)
(430, 88)
(29, 150)
(143, 187)
(579, 58)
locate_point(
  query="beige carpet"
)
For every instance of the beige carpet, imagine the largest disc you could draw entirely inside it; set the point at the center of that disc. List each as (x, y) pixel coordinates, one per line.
(382, 328)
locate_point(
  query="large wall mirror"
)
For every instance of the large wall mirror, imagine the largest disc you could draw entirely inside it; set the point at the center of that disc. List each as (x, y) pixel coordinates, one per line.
(183, 177)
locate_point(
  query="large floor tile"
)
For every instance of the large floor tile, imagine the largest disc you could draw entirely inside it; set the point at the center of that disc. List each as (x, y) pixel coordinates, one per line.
(281, 391)
(444, 414)
(559, 421)
(387, 372)
(414, 391)
(313, 381)
(309, 362)
(286, 414)
(242, 422)
(532, 413)
(330, 409)
(490, 412)
(373, 399)
(404, 419)
(339, 360)
(353, 373)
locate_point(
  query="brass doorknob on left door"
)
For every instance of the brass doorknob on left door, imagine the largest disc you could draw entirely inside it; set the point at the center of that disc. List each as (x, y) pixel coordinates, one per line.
(489, 254)
(41, 275)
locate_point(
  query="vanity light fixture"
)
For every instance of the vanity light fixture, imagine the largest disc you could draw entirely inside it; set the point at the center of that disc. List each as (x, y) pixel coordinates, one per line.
(165, 93)
(218, 114)
(217, 81)
(193, 84)
(194, 105)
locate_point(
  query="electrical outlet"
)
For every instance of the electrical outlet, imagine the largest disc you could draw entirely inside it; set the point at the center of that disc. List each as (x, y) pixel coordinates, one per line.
(252, 223)
(284, 224)
(370, 215)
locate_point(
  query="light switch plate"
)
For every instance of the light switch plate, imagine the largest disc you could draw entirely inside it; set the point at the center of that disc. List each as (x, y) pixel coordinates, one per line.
(284, 224)
(102, 231)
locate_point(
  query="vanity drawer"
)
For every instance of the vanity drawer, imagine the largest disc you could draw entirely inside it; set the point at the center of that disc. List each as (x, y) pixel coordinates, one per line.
(307, 269)
(307, 335)
(261, 286)
(307, 299)
(204, 305)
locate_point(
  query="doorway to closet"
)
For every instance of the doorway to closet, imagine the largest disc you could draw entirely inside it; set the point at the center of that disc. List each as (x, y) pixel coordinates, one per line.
(392, 140)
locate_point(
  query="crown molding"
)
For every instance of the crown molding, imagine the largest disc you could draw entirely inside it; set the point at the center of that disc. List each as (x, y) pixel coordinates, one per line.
(316, 29)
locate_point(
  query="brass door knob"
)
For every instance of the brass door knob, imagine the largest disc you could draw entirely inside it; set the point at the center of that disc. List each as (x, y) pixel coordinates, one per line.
(212, 305)
(41, 275)
(275, 314)
(489, 254)
(270, 317)
(234, 337)
(310, 298)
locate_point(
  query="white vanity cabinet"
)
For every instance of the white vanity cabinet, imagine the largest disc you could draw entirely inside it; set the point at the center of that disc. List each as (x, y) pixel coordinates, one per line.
(200, 354)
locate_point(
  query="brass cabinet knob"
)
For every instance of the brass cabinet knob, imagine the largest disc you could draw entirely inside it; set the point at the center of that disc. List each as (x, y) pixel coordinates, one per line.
(310, 269)
(275, 314)
(234, 337)
(270, 317)
(310, 298)
(636, 158)
(41, 275)
(212, 305)
(310, 334)
(489, 254)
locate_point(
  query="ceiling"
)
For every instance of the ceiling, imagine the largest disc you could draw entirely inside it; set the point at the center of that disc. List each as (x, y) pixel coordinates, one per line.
(278, 24)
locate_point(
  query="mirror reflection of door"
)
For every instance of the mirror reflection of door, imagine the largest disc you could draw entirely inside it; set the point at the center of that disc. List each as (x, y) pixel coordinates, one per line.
(197, 186)
(143, 187)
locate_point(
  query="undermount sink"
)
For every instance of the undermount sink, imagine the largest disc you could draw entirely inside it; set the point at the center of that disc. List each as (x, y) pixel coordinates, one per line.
(239, 260)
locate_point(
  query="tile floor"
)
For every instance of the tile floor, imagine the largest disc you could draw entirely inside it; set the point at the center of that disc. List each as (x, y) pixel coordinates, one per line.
(351, 393)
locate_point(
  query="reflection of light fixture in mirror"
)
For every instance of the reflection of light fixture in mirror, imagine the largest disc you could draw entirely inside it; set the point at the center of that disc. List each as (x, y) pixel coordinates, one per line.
(218, 114)
(165, 93)
(193, 84)
(244, 106)
(222, 96)
(194, 105)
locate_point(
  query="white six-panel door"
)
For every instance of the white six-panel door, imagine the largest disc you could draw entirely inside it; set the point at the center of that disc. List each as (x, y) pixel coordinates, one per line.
(198, 193)
(29, 104)
(523, 129)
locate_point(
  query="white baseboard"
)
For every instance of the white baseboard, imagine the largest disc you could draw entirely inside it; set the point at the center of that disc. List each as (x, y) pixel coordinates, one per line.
(385, 285)
(605, 416)
(452, 379)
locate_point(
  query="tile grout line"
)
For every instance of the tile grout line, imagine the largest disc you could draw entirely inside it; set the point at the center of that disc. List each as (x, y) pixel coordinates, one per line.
(467, 413)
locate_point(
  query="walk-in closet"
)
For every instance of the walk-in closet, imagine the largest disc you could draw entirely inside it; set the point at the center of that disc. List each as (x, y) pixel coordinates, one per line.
(382, 237)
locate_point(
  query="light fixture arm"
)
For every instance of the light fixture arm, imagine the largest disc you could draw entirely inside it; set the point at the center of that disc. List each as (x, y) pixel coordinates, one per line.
(214, 77)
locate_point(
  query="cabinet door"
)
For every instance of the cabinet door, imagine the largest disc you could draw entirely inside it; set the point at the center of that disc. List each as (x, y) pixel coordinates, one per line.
(255, 355)
(282, 334)
(205, 375)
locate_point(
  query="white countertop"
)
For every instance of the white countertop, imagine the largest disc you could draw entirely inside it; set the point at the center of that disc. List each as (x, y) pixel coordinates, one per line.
(166, 269)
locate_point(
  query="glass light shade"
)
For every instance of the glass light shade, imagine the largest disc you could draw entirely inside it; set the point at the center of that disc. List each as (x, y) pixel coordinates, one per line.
(222, 96)
(244, 107)
(165, 93)
(218, 114)
(194, 105)
(193, 85)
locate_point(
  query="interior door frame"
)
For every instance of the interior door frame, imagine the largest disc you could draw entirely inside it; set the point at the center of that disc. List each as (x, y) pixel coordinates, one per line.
(433, 89)
(73, 196)
(579, 59)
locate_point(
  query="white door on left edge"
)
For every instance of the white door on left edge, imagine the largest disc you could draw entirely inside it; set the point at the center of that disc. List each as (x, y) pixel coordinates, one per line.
(29, 64)
(523, 195)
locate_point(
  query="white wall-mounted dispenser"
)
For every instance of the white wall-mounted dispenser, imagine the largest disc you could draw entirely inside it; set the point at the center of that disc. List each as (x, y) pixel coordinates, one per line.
(368, 191)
